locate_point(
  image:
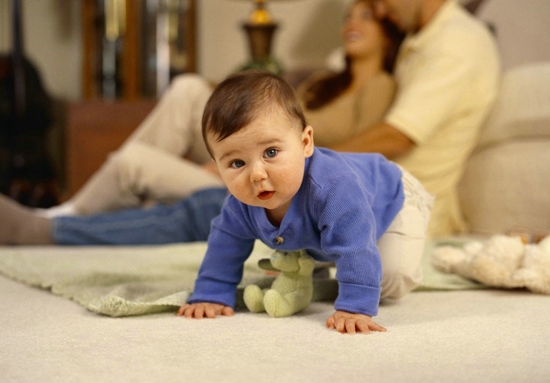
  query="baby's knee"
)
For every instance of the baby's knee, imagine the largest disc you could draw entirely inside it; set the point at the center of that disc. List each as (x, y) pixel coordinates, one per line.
(396, 285)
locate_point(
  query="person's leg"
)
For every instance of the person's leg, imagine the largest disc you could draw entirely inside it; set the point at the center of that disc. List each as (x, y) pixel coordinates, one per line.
(186, 221)
(174, 125)
(402, 246)
(21, 226)
(140, 172)
(172, 128)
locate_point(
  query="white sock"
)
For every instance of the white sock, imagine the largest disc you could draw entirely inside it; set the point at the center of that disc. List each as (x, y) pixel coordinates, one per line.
(66, 208)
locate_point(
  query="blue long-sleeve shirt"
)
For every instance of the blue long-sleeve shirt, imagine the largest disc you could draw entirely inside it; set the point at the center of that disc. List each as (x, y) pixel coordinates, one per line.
(345, 203)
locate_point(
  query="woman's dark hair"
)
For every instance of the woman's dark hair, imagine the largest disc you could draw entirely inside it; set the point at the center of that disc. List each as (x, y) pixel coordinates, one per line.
(241, 97)
(326, 89)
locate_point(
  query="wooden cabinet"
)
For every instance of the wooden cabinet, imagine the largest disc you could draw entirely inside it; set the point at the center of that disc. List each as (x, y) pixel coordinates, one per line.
(94, 129)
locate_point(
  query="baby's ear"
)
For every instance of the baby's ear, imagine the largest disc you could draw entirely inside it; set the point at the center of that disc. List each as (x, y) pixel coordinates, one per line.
(307, 141)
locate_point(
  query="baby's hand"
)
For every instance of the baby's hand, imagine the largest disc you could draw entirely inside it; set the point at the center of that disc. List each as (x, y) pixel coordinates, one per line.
(204, 310)
(345, 322)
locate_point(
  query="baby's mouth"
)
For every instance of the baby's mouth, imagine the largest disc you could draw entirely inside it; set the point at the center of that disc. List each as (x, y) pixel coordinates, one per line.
(265, 195)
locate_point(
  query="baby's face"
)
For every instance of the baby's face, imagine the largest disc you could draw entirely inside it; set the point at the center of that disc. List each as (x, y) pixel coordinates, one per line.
(263, 163)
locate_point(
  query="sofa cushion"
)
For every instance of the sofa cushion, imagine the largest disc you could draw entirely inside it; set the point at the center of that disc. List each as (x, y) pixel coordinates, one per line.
(506, 183)
(522, 110)
(507, 186)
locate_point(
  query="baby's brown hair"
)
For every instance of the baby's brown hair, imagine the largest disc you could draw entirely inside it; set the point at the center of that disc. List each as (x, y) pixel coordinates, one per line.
(241, 97)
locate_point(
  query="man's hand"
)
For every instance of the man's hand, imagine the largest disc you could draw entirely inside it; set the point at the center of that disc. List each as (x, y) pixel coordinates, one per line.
(350, 323)
(204, 310)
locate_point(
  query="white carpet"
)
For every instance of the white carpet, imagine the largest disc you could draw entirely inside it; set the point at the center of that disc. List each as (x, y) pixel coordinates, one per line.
(454, 336)
(468, 335)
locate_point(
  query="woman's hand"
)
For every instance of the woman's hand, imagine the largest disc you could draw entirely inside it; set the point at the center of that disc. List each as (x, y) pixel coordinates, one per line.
(345, 322)
(204, 310)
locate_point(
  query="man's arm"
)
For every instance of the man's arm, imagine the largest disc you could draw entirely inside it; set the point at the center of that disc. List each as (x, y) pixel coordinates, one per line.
(382, 138)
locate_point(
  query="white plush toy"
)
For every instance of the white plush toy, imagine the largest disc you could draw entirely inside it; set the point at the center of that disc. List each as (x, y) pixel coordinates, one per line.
(502, 261)
(292, 289)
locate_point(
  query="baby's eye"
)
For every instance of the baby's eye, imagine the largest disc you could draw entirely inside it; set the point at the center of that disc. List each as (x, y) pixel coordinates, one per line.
(270, 153)
(237, 164)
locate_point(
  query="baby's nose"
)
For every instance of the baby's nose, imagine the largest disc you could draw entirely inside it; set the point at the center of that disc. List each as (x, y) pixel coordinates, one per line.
(258, 173)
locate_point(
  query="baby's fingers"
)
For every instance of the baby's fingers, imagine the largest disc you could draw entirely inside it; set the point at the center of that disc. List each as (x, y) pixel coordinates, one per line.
(227, 311)
(212, 311)
(341, 325)
(350, 326)
(330, 322)
(182, 309)
(204, 310)
(368, 326)
(191, 311)
(195, 311)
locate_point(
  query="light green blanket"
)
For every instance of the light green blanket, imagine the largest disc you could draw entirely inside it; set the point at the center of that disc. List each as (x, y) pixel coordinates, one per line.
(124, 281)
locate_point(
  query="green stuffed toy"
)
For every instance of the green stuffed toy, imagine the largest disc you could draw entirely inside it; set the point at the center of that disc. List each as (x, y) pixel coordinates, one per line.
(292, 289)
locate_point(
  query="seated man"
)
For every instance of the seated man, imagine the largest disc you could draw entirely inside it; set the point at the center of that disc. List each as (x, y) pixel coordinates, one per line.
(448, 74)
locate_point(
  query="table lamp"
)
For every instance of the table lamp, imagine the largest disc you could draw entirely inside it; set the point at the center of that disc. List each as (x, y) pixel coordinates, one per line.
(259, 29)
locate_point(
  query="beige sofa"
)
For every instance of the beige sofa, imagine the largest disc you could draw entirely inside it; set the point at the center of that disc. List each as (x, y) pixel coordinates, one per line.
(506, 184)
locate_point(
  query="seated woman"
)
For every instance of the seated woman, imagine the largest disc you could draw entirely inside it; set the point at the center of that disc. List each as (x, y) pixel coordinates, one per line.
(165, 159)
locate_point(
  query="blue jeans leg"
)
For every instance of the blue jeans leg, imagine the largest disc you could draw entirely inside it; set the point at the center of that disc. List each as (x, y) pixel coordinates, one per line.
(186, 221)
